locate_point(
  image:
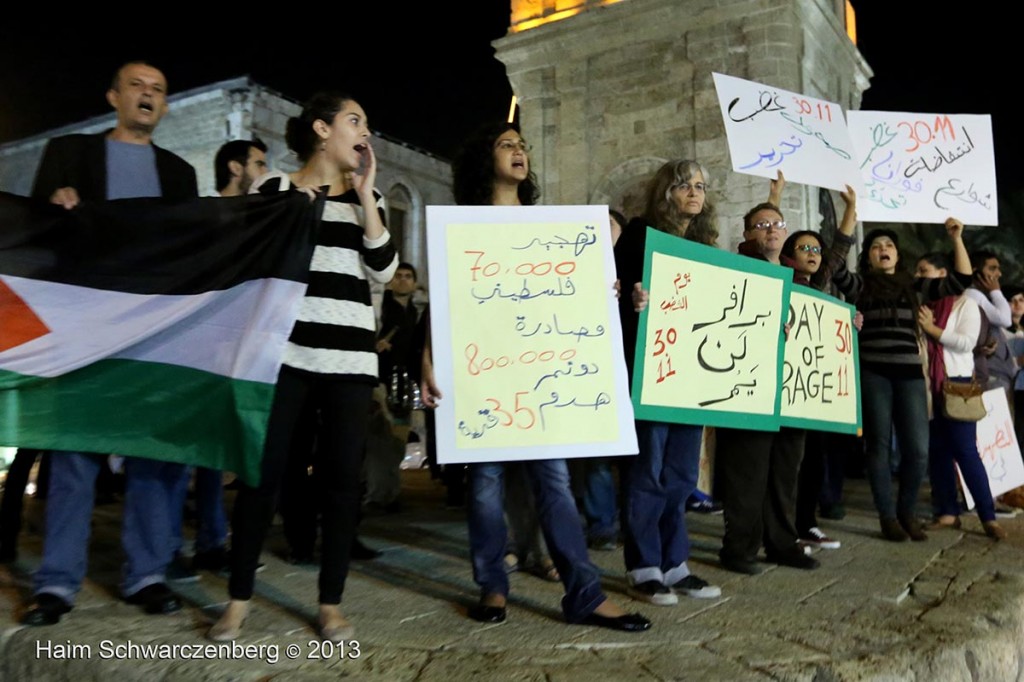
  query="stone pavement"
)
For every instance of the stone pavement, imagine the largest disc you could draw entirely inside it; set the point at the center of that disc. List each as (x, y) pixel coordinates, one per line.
(951, 608)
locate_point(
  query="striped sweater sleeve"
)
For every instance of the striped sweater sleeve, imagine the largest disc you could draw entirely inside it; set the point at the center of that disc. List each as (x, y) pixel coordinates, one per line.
(380, 255)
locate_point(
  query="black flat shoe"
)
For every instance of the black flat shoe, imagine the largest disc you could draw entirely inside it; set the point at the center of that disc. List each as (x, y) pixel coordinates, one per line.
(631, 622)
(361, 552)
(155, 599)
(487, 614)
(46, 610)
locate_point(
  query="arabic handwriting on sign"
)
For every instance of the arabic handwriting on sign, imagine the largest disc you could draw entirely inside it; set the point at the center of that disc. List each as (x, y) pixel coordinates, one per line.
(555, 328)
(757, 318)
(579, 243)
(670, 304)
(600, 400)
(886, 174)
(582, 370)
(718, 344)
(490, 421)
(877, 193)
(767, 101)
(954, 189)
(565, 288)
(881, 135)
(739, 301)
(941, 157)
(802, 127)
(789, 148)
(736, 390)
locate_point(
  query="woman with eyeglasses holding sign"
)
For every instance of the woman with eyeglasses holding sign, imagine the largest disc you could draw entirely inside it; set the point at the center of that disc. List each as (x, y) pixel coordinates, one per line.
(804, 251)
(664, 473)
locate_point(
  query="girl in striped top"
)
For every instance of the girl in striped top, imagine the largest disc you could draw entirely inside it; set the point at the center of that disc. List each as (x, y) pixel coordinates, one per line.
(329, 364)
(892, 383)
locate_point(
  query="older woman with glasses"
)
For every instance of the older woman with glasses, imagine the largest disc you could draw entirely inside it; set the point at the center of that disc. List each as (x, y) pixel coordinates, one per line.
(664, 474)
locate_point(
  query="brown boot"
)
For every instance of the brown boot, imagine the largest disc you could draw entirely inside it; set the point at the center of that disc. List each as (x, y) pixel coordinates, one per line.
(994, 530)
(892, 530)
(913, 528)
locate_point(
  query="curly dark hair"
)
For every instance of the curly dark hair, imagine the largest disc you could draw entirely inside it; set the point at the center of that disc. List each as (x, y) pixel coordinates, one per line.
(661, 212)
(473, 169)
(881, 289)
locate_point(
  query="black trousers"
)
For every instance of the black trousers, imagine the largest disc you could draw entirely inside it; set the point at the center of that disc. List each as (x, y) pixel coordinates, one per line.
(344, 407)
(756, 473)
(298, 503)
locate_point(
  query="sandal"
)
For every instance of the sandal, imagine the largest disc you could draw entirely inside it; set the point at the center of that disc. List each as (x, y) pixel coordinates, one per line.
(545, 570)
(939, 524)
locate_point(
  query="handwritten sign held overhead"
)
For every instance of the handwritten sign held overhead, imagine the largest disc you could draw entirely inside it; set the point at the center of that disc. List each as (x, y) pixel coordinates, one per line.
(821, 374)
(925, 167)
(709, 345)
(770, 129)
(998, 447)
(526, 337)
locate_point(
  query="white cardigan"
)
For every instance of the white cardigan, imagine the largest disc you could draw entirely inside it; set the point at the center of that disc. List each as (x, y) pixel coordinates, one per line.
(960, 337)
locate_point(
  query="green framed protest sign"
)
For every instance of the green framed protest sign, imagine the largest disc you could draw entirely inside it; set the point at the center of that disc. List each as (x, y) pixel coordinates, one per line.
(710, 342)
(820, 387)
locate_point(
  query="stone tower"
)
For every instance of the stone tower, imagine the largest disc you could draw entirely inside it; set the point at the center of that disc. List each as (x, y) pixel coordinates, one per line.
(611, 89)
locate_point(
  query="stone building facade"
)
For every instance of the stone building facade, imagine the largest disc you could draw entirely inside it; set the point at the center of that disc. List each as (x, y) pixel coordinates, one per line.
(611, 89)
(202, 119)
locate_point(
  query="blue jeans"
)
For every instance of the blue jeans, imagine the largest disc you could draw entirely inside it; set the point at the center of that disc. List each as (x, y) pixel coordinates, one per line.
(598, 498)
(957, 441)
(903, 404)
(145, 534)
(662, 477)
(212, 523)
(559, 520)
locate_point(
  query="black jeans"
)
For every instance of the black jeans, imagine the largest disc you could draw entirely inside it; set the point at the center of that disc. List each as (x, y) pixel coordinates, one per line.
(756, 472)
(344, 407)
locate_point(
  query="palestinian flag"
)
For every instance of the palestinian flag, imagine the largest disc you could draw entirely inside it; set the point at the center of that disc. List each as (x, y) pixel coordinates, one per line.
(149, 328)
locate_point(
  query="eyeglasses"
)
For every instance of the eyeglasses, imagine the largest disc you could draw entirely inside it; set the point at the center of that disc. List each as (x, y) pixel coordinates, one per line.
(698, 187)
(807, 248)
(774, 224)
(509, 145)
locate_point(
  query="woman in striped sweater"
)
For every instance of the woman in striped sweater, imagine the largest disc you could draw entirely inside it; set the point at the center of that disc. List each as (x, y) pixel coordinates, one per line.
(330, 363)
(893, 392)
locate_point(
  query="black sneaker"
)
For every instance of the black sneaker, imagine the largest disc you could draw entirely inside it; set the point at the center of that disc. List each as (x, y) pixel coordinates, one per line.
(653, 592)
(214, 560)
(692, 586)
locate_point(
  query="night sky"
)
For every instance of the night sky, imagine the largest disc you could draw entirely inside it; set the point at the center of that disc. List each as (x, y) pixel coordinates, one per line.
(427, 75)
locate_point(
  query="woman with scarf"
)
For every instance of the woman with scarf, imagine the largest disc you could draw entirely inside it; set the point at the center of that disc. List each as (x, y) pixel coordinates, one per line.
(952, 325)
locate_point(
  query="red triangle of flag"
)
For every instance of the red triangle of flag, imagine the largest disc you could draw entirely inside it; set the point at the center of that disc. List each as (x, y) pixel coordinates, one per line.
(18, 323)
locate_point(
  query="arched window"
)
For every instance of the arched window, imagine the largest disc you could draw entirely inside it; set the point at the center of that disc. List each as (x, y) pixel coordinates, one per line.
(399, 218)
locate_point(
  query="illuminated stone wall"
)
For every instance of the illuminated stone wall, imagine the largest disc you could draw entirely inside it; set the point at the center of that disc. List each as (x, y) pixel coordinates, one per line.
(609, 91)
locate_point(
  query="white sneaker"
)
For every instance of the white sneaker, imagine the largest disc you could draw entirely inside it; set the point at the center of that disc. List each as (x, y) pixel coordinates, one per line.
(815, 537)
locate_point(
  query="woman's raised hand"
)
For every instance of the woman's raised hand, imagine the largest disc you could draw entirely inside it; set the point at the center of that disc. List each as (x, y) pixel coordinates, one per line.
(364, 179)
(954, 228)
(775, 188)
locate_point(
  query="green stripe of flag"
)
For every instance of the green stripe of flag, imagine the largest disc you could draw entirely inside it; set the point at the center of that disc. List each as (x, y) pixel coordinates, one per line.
(143, 409)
